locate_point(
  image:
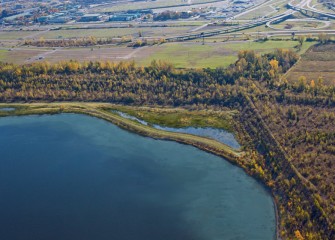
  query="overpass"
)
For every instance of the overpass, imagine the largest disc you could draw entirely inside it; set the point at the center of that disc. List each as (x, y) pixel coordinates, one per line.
(311, 10)
(267, 21)
(225, 30)
(232, 29)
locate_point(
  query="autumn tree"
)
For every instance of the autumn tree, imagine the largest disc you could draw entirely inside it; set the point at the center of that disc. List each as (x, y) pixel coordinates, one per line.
(298, 235)
(323, 37)
(301, 39)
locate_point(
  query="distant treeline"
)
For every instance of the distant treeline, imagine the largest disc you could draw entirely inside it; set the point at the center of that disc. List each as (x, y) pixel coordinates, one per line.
(276, 118)
(168, 15)
(77, 42)
(125, 83)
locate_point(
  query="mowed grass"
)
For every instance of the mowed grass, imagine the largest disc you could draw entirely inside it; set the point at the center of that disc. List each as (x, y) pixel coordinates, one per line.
(181, 55)
(114, 32)
(189, 56)
(138, 5)
(298, 25)
(19, 56)
(146, 5)
(3, 55)
(317, 62)
(266, 10)
(262, 11)
(15, 35)
(114, 54)
(196, 55)
(81, 33)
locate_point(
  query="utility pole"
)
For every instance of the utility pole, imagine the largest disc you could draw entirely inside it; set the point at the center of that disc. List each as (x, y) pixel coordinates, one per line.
(258, 34)
(203, 38)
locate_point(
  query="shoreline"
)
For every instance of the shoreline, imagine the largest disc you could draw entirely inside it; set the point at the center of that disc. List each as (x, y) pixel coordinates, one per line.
(94, 110)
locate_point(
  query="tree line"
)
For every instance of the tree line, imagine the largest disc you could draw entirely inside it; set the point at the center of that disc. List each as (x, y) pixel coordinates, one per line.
(253, 84)
(76, 42)
(123, 82)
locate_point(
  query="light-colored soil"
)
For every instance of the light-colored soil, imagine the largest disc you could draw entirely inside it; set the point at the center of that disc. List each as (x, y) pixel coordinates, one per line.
(319, 61)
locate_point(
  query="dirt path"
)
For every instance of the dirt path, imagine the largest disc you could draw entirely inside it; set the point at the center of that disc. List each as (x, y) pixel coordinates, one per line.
(130, 55)
(36, 34)
(41, 56)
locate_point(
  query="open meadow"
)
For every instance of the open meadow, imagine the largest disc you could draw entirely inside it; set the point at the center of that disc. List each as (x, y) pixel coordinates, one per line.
(317, 62)
(181, 55)
(145, 5)
(115, 32)
(211, 55)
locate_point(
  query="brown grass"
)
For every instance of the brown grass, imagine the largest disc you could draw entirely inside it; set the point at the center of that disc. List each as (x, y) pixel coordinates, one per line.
(318, 61)
(87, 54)
(21, 56)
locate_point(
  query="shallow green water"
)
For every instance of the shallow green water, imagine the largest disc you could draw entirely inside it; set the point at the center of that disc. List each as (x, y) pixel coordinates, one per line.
(217, 134)
(75, 177)
(6, 109)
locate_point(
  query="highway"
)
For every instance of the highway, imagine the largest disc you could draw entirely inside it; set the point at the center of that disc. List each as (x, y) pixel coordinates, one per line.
(231, 29)
(197, 33)
(258, 22)
(301, 8)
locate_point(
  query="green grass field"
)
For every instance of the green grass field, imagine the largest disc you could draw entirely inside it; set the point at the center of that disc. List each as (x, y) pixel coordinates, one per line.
(181, 55)
(298, 25)
(189, 55)
(15, 35)
(179, 118)
(257, 13)
(148, 4)
(113, 32)
(3, 55)
(270, 9)
(196, 55)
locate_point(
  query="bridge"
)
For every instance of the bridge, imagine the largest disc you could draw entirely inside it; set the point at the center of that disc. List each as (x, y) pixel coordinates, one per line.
(224, 30)
(310, 10)
(293, 9)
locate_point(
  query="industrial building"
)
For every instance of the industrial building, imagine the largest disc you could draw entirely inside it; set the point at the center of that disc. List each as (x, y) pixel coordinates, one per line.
(90, 18)
(59, 20)
(124, 17)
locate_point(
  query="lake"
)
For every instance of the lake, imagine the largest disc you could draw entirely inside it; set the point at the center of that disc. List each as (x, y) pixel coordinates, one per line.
(7, 109)
(217, 134)
(71, 176)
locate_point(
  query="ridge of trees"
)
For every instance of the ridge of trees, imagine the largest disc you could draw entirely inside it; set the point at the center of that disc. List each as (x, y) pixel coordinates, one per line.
(306, 210)
(76, 42)
(253, 84)
(123, 82)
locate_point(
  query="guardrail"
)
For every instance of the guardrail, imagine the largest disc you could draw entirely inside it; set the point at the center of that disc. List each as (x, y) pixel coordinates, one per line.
(224, 30)
(302, 9)
(247, 25)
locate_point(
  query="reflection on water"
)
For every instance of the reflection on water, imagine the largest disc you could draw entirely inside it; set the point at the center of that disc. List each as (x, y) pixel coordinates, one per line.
(219, 135)
(74, 177)
(7, 109)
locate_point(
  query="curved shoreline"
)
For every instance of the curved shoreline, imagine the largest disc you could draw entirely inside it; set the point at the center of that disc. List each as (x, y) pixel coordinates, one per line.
(95, 110)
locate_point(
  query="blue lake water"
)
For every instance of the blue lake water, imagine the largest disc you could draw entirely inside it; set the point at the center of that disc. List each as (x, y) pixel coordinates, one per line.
(74, 177)
(7, 109)
(219, 135)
